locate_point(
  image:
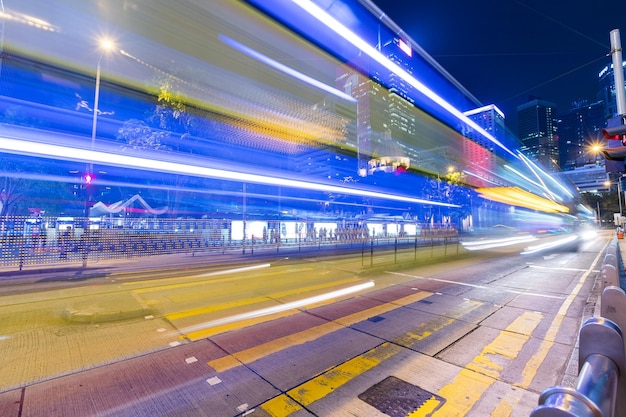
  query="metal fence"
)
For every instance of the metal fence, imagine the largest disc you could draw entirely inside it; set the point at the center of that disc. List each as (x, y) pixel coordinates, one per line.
(27, 241)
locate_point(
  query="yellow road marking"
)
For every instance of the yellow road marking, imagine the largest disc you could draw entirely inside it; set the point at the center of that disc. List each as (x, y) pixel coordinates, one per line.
(473, 380)
(460, 395)
(329, 381)
(532, 366)
(276, 345)
(281, 406)
(223, 328)
(427, 408)
(425, 329)
(211, 309)
(506, 406)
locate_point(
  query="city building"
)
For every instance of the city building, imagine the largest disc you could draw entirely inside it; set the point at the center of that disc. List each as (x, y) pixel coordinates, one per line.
(537, 131)
(606, 93)
(578, 130)
(386, 116)
(479, 150)
(591, 178)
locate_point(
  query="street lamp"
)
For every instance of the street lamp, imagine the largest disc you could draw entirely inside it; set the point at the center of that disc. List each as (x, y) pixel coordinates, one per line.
(105, 45)
(607, 184)
(619, 196)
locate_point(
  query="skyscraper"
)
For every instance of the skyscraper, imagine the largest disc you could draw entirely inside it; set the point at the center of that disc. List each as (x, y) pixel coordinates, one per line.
(386, 115)
(578, 129)
(479, 151)
(537, 131)
(606, 81)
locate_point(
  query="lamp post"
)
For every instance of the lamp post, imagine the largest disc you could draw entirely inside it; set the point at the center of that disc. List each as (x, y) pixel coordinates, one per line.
(619, 196)
(105, 45)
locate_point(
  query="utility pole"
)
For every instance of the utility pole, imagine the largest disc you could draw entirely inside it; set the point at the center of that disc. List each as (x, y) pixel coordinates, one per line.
(618, 71)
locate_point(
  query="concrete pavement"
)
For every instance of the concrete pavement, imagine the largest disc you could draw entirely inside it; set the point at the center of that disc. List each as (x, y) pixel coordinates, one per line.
(184, 368)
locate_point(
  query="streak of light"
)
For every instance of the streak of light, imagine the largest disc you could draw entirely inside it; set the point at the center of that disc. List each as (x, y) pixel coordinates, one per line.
(480, 177)
(528, 162)
(497, 243)
(550, 245)
(532, 167)
(523, 176)
(280, 308)
(518, 197)
(62, 152)
(318, 13)
(285, 69)
(28, 20)
(232, 271)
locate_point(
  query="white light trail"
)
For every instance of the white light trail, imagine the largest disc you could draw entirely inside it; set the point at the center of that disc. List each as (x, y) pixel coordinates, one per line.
(373, 53)
(285, 69)
(62, 152)
(497, 243)
(279, 308)
(550, 245)
(231, 271)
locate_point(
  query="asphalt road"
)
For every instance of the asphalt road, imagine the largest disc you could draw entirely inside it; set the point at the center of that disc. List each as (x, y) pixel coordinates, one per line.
(478, 336)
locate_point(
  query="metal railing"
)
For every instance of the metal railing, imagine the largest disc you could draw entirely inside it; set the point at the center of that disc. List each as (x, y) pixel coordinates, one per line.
(24, 243)
(600, 389)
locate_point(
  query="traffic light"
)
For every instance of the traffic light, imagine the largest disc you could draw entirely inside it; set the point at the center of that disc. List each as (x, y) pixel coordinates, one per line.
(615, 129)
(615, 155)
(615, 133)
(88, 178)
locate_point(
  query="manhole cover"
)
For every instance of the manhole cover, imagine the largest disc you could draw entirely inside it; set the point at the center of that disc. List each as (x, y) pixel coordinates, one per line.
(398, 398)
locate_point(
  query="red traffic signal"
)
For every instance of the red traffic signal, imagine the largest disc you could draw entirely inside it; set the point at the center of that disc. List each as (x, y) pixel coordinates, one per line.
(615, 133)
(89, 178)
(615, 130)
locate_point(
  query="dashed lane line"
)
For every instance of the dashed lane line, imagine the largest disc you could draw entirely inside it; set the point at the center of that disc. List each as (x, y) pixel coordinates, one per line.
(482, 287)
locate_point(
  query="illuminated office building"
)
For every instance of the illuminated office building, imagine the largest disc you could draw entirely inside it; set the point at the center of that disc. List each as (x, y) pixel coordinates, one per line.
(386, 118)
(606, 81)
(537, 131)
(479, 150)
(578, 129)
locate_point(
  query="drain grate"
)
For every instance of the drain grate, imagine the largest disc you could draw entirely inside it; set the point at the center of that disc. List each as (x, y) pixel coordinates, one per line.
(375, 319)
(398, 398)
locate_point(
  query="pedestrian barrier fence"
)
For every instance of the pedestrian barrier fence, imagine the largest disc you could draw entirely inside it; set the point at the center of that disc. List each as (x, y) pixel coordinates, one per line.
(600, 389)
(43, 241)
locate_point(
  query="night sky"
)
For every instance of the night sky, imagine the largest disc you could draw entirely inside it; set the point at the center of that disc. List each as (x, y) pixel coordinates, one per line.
(505, 51)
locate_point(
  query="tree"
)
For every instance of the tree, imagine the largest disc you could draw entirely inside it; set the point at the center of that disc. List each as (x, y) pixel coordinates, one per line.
(27, 182)
(137, 135)
(607, 203)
